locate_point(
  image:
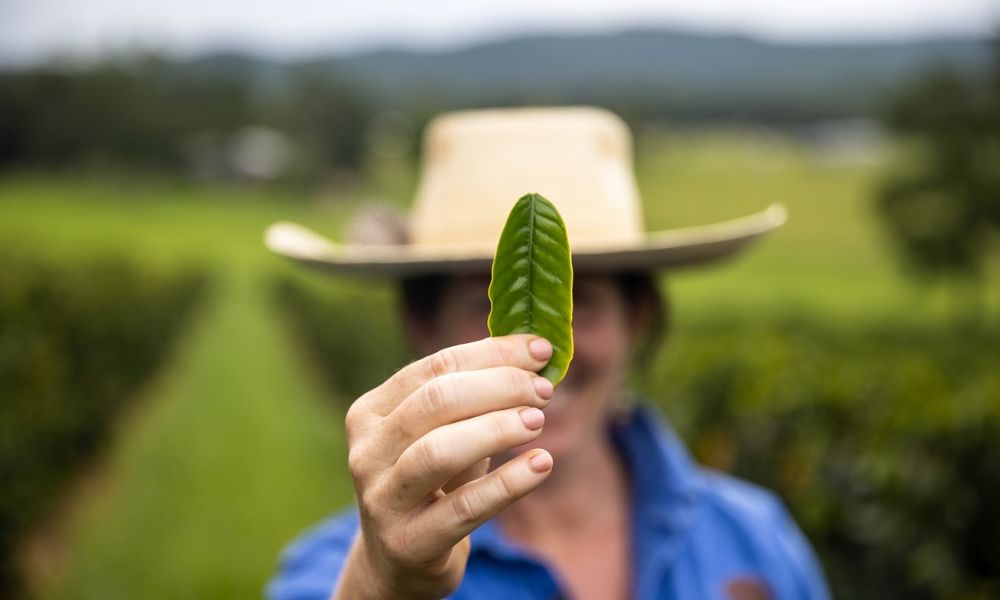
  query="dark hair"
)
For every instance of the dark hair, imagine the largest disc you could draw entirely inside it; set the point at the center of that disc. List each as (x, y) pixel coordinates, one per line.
(640, 288)
(421, 295)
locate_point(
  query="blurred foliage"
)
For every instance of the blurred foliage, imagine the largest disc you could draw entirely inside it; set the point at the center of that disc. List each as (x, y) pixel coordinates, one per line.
(882, 440)
(132, 113)
(233, 115)
(330, 120)
(942, 206)
(150, 113)
(76, 341)
(334, 323)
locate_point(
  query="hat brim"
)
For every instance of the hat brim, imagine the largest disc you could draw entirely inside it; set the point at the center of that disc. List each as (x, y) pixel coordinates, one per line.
(668, 249)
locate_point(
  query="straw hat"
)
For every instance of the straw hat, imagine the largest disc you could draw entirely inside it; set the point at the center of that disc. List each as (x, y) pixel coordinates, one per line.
(478, 163)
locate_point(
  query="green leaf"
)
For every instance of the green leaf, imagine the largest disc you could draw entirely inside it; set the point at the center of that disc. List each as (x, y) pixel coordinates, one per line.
(532, 286)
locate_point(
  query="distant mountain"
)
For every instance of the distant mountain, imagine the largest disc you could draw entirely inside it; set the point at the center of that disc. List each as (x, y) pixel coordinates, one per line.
(652, 72)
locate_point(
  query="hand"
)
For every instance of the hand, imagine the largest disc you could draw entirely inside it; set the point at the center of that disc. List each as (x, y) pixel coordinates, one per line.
(420, 446)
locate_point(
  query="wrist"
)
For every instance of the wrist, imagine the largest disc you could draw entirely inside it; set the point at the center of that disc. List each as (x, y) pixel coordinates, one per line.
(361, 578)
(365, 577)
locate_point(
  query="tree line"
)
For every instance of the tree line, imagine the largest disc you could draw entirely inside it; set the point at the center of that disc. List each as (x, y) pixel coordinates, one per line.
(146, 112)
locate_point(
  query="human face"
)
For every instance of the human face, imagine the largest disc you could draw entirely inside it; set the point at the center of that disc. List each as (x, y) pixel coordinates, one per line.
(603, 333)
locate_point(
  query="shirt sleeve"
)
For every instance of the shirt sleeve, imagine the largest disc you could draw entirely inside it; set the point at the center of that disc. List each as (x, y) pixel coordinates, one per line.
(799, 554)
(310, 566)
(761, 534)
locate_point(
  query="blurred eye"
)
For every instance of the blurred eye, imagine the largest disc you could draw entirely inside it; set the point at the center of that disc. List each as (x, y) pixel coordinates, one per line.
(594, 301)
(586, 307)
(474, 304)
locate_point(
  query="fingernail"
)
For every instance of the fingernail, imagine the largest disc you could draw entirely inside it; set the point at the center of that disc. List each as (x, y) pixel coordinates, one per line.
(540, 462)
(543, 387)
(532, 418)
(540, 349)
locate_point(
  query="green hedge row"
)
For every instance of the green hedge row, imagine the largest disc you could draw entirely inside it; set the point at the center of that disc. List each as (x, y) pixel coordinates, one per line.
(335, 323)
(76, 341)
(884, 441)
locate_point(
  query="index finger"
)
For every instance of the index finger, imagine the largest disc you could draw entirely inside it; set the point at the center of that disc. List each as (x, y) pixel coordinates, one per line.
(522, 350)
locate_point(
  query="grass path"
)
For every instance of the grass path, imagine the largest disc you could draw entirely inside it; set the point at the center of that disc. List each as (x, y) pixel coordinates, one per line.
(233, 449)
(236, 452)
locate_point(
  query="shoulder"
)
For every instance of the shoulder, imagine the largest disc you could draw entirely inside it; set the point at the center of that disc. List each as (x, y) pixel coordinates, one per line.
(733, 529)
(740, 500)
(757, 522)
(309, 566)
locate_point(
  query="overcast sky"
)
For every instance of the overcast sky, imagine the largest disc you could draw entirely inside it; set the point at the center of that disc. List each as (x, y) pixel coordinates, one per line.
(33, 29)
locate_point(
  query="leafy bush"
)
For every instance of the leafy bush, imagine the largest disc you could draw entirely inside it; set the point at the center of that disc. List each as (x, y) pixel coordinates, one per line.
(352, 334)
(75, 343)
(882, 440)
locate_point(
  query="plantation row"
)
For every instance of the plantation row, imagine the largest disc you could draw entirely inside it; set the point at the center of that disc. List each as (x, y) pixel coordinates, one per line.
(76, 343)
(882, 441)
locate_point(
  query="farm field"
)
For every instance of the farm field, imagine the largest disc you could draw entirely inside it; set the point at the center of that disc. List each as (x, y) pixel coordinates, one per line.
(237, 444)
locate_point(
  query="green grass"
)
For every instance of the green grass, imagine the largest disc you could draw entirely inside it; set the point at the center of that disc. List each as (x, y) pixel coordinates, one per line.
(162, 222)
(831, 260)
(235, 448)
(236, 453)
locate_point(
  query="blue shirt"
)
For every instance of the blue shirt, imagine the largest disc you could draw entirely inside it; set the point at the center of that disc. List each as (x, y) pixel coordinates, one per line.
(695, 534)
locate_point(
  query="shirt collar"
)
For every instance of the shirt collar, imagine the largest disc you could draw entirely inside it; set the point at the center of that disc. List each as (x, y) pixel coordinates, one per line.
(665, 489)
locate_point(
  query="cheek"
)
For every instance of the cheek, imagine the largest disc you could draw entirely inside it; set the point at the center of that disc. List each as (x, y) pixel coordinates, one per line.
(601, 344)
(475, 330)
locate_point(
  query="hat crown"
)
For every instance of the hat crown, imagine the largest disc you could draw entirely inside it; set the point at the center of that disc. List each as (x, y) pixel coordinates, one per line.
(478, 163)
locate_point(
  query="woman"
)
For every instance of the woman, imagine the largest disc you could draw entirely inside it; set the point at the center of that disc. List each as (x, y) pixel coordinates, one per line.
(474, 477)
